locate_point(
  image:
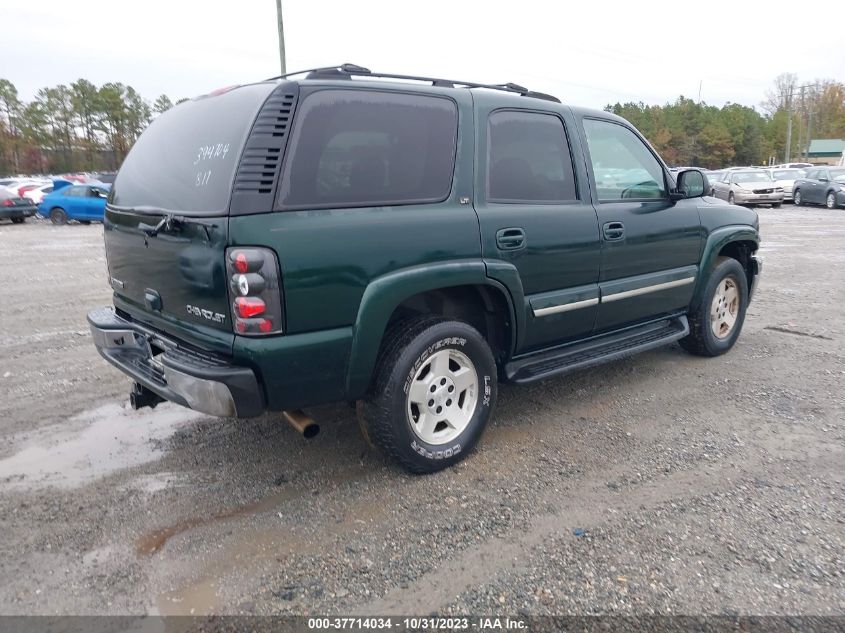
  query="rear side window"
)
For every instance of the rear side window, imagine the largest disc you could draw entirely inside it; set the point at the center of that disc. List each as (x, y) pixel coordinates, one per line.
(528, 158)
(356, 148)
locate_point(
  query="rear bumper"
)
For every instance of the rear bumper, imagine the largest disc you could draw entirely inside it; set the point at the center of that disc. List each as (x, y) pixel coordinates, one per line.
(13, 213)
(201, 381)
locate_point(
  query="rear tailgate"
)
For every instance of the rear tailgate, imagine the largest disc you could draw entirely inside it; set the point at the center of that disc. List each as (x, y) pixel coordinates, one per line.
(166, 223)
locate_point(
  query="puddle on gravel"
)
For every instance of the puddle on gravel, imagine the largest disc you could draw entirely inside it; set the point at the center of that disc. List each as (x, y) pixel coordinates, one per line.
(113, 438)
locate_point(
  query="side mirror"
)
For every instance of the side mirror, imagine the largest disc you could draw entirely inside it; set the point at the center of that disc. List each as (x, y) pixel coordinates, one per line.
(691, 184)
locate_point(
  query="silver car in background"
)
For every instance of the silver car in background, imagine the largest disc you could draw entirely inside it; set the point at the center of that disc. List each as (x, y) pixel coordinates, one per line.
(785, 179)
(748, 187)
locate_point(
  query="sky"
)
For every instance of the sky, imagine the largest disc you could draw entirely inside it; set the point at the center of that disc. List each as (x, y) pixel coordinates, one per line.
(587, 53)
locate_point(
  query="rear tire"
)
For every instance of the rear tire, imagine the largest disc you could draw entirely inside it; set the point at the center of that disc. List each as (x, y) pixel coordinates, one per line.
(796, 198)
(433, 391)
(18, 220)
(716, 323)
(58, 216)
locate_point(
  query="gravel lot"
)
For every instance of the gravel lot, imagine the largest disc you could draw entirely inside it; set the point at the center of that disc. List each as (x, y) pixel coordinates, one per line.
(662, 483)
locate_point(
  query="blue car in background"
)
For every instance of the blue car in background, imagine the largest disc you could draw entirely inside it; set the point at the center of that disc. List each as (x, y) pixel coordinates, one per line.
(70, 201)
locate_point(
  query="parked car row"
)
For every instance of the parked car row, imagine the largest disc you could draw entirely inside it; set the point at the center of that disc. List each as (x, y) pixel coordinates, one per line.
(800, 183)
(59, 200)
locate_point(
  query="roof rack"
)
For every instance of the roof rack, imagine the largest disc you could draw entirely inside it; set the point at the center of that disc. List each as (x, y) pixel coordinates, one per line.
(347, 71)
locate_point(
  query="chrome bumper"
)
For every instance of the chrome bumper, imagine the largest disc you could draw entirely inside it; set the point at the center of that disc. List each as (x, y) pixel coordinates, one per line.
(192, 378)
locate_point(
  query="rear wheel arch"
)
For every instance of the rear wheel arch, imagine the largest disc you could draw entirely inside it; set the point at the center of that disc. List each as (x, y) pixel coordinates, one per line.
(460, 289)
(485, 307)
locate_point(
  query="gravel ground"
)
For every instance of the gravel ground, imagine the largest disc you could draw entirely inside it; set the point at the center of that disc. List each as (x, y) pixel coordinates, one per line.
(661, 484)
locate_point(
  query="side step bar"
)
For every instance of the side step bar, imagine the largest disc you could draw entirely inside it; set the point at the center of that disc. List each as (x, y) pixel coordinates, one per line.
(597, 350)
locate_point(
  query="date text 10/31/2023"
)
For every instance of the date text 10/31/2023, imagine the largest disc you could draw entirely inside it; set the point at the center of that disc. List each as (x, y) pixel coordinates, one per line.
(486, 623)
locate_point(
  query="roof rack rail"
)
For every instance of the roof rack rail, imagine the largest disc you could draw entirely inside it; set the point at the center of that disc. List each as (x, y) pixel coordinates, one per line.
(347, 71)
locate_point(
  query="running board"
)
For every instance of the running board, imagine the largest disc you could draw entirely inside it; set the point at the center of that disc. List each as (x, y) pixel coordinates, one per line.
(596, 351)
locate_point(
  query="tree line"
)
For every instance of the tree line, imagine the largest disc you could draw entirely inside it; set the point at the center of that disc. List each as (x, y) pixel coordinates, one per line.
(688, 132)
(70, 128)
(82, 127)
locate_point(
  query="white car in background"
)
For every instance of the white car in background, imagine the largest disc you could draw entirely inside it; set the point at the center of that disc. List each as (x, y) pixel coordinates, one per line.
(37, 194)
(785, 178)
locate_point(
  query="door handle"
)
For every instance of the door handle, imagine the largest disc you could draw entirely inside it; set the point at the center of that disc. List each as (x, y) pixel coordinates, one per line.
(614, 231)
(510, 239)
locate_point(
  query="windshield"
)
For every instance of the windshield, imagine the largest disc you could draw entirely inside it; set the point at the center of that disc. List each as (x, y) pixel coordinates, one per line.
(838, 174)
(786, 174)
(750, 176)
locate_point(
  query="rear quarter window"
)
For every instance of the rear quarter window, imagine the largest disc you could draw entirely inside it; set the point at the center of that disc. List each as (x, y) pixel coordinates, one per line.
(356, 148)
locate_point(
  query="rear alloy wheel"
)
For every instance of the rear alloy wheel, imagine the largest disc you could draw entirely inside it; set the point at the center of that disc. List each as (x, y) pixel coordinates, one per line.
(433, 391)
(831, 200)
(58, 216)
(796, 198)
(716, 322)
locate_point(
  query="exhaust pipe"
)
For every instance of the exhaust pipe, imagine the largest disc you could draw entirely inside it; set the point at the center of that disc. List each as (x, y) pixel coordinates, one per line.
(302, 423)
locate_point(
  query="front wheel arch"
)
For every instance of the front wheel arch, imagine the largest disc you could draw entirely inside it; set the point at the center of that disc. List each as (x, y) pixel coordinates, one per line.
(737, 241)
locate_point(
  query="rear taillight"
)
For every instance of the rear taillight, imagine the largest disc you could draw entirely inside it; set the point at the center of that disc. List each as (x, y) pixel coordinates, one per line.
(255, 290)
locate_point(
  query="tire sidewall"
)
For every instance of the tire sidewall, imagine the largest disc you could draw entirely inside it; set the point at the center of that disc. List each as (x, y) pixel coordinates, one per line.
(727, 268)
(449, 335)
(796, 197)
(58, 216)
(828, 198)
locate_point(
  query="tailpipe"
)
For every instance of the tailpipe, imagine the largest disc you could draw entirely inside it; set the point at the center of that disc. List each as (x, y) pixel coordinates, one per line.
(302, 423)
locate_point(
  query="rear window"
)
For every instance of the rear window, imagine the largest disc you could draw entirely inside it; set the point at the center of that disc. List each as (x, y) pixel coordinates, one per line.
(356, 148)
(186, 159)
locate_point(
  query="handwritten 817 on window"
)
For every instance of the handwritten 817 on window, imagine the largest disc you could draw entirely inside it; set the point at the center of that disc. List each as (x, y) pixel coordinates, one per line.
(206, 153)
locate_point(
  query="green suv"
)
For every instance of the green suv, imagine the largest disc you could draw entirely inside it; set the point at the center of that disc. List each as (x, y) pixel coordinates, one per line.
(406, 243)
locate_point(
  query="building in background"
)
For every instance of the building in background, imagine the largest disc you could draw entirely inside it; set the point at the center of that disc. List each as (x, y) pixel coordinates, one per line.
(826, 151)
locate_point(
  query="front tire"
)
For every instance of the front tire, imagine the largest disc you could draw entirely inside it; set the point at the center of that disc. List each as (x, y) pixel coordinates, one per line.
(433, 391)
(58, 216)
(830, 201)
(731, 199)
(716, 323)
(796, 198)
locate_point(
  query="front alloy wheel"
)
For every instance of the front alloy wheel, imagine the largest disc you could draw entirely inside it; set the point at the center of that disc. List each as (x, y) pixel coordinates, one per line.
(716, 321)
(724, 309)
(796, 198)
(831, 200)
